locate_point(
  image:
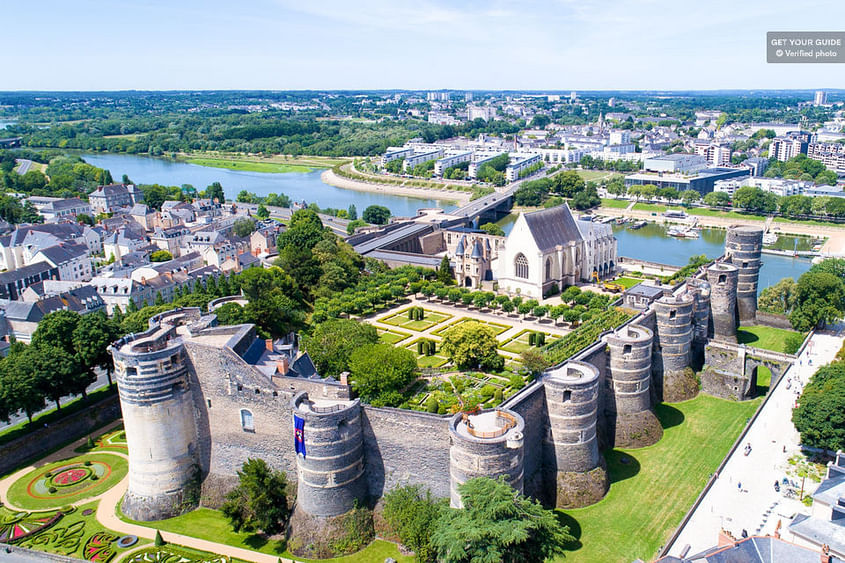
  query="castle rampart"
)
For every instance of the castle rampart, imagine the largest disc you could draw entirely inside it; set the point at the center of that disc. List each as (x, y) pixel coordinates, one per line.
(486, 444)
(743, 249)
(723, 284)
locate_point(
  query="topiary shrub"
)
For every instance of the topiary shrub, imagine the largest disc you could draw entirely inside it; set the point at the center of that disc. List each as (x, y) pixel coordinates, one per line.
(159, 541)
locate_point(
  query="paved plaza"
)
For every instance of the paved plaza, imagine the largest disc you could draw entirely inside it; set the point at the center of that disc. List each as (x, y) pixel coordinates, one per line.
(743, 496)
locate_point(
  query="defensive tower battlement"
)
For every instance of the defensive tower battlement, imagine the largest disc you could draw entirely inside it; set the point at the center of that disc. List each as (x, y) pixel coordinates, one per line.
(743, 249)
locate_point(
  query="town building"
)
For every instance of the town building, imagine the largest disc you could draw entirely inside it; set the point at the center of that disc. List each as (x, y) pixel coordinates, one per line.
(55, 209)
(824, 526)
(778, 186)
(550, 249)
(820, 98)
(108, 199)
(12, 284)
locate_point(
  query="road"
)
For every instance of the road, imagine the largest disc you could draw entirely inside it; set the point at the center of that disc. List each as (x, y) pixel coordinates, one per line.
(284, 213)
(743, 497)
(23, 166)
(102, 381)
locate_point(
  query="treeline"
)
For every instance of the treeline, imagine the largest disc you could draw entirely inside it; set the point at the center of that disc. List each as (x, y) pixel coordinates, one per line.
(551, 190)
(817, 298)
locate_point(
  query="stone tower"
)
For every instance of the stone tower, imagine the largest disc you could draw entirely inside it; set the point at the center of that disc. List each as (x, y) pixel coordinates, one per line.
(743, 248)
(488, 444)
(629, 398)
(572, 393)
(672, 353)
(701, 325)
(330, 477)
(158, 415)
(723, 282)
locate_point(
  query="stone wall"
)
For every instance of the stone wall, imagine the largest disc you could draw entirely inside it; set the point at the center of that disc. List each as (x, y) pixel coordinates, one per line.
(530, 404)
(773, 319)
(71, 427)
(404, 447)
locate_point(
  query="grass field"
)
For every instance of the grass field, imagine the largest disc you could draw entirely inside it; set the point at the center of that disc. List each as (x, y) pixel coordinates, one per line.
(594, 175)
(766, 337)
(707, 212)
(649, 207)
(498, 328)
(392, 336)
(519, 343)
(615, 203)
(434, 361)
(627, 282)
(248, 165)
(207, 524)
(29, 494)
(430, 319)
(654, 487)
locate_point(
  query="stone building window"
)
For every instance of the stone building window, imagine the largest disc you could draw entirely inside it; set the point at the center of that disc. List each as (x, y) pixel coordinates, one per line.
(548, 268)
(567, 396)
(246, 421)
(626, 349)
(521, 266)
(672, 314)
(723, 278)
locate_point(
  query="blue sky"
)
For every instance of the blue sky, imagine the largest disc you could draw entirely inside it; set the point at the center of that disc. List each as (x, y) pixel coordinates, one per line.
(322, 44)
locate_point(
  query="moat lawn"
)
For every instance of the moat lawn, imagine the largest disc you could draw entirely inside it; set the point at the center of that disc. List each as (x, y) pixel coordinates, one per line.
(211, 525)
(766, 337)
(652, 488)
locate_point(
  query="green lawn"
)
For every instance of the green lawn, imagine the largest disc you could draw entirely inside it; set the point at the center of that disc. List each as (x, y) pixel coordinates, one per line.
(433, 361)
(392, 336)
(627, 282)
(766, 337)
(208, 524)
(247, 165)
(654, 487)
(594, 175)
(31, 491)
(615, 203)
(649, 207)
(430, 319)
(519, 343)
(497, 327)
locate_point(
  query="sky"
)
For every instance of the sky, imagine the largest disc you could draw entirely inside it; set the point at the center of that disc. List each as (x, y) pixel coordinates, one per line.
(422, 44)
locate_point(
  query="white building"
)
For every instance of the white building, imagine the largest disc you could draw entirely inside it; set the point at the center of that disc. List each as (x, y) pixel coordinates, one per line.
(518, 163)
(784, 148)
(778, 186)
(820, 99)
(479, 159)
(451, 158)
(550, 248)
(394, 153)
(481, 112)
(421, 157)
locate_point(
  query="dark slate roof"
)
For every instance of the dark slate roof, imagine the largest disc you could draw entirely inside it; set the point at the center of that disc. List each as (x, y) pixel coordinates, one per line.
(24, 272)
(756, 549)
(553, 226)
(303, 367)
(62, 253)
(247, 259)
(476, 250)
(461, 248)
(645, 290)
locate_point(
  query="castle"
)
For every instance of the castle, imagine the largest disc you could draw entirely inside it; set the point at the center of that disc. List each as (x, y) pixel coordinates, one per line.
(198, 399)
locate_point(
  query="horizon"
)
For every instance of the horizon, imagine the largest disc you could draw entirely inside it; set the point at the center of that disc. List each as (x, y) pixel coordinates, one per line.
(280, 45)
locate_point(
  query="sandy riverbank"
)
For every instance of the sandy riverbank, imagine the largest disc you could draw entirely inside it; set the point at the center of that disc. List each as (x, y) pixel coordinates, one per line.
(333, 179)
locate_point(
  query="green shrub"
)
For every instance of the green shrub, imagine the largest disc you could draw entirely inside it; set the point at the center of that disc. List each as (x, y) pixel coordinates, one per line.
(159, 541)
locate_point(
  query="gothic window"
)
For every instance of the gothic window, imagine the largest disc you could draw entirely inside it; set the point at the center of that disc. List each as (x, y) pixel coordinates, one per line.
(521, 266)
(246, 421)
(548, 268)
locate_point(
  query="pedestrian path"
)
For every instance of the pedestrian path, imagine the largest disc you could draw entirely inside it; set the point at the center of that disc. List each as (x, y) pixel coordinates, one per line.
(743, 496)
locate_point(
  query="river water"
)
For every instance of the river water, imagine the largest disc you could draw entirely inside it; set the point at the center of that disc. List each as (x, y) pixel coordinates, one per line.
(652, 243)
(298, 186)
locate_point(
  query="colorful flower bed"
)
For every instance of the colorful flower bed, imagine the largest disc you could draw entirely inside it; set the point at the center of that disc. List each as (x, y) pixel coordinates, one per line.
(69, 481)
(17, 526)
(171, 554)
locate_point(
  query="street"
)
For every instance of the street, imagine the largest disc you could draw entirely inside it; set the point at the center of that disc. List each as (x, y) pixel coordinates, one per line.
(744, 497)
(102, 381)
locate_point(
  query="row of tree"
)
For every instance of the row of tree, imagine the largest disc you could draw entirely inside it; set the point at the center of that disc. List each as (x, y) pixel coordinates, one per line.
(818, 297)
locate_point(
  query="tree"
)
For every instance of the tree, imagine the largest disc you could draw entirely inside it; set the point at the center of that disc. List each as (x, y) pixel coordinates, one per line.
(472, 345)
(834, 266)
(690, 196)
(91, 339)
(413, 514)
(85, 219)
(819, 298)
(354, 224)
(755, 199)
(161, 256)
(274, 301)
(351, 212)
(820, 416)
(231, 314)
(215, 191)
(304, 230)
(493, 229)
(20, 381)
(332, 343)
(498, 524)
(778, 298)
(56, 329)
(533, 360)
(243, 227)
(262, 212)
(379, 369)
(259, 502)
(376, 214)
(717, 199)
(444, 272)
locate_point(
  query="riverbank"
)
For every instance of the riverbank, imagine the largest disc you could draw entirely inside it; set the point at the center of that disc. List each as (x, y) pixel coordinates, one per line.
(329, 177)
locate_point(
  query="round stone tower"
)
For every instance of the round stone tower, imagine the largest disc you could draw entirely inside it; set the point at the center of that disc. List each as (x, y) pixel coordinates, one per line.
(701, 329)
(743, 248)
(158, 415)
(672, 353)
(487, 444)
(572, 393)
(331, 473)
(723, 281)
(629, 401)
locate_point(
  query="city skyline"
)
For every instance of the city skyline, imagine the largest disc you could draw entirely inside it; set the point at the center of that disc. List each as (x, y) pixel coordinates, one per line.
(282, 45)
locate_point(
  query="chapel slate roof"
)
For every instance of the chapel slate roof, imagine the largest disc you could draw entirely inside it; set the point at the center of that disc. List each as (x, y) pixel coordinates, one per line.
(553, 226)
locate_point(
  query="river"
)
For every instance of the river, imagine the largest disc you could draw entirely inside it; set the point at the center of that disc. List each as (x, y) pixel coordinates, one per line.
(652, 243)
(298, 186)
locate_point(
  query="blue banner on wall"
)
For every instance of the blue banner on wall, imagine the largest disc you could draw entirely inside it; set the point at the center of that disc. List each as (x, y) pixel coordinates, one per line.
(299, 435)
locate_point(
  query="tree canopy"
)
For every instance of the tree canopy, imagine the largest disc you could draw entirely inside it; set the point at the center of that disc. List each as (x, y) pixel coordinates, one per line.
(379, 371)
(333, 342)
(472, 345)
(819, 299)
(820, 416)
(259, 502)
